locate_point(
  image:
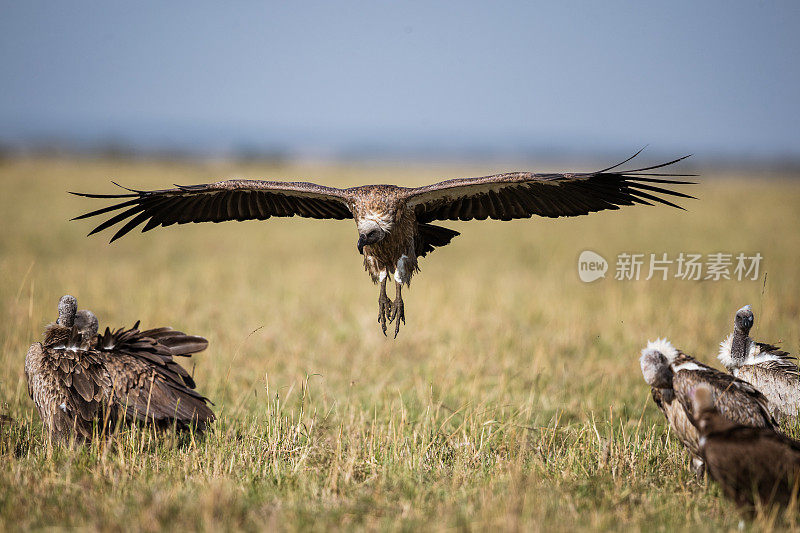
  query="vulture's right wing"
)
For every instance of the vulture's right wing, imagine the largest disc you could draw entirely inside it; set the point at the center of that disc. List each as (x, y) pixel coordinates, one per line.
(221, 201)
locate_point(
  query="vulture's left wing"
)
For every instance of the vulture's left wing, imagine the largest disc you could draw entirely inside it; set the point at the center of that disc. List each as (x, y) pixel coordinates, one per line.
(772, 357)
(154, 347)
(148, 383)
(221, 201)
(523, 194)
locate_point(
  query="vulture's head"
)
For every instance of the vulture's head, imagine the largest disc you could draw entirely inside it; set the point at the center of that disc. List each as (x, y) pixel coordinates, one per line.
(372, 229)
(655, 362)
(86, 323)
(67, 307)
(744, 319)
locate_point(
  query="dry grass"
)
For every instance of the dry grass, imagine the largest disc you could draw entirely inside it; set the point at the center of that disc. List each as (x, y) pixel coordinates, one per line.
(511, 399)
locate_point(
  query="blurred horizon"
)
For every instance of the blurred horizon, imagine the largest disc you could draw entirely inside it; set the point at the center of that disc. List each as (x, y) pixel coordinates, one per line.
(373, 81)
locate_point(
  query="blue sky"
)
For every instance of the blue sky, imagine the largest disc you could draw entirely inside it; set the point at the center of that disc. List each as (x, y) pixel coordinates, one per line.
(719, 77)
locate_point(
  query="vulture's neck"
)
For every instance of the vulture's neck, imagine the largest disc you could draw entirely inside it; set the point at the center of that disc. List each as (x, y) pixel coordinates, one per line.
(740, 345)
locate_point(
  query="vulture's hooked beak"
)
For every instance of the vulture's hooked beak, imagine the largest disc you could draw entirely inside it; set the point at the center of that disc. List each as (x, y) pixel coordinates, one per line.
(371, 237)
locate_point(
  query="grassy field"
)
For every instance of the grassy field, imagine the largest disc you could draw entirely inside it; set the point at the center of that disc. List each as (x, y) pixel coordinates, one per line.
(512, 398)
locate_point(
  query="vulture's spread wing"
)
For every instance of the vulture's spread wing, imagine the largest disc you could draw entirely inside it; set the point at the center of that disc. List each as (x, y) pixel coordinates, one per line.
(155, 347)
(523, 194)
(147, 381)
(218, 202)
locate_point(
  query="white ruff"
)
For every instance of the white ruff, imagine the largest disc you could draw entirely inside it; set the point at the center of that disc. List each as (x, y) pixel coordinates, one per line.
(401, 273)
(382, 275)
(664, 347)
(372, 219)
(724, 354)
(754, 354)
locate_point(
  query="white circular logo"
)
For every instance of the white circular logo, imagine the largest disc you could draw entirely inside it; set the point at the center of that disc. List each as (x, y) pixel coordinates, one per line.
(591, 266)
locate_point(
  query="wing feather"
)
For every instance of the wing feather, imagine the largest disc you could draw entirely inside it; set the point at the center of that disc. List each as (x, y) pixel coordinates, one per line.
(217, 202)
(113, 220)
(214, 213)
(193, 206)
(737, 400)
(524, 194)
(779, 384)
(156, 348)
(143, 392)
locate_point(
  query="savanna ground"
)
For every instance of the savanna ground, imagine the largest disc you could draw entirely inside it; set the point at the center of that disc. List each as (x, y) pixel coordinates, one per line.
(511, 399)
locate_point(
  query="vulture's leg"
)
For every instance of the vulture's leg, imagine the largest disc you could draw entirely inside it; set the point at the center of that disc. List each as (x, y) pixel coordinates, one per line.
(397, 309)
(384, 306)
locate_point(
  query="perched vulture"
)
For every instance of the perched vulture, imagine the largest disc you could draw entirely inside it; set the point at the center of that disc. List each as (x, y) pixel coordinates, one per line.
(767, 367)
(394, 223)
(751, 464)
(83, 383)
(673, 375)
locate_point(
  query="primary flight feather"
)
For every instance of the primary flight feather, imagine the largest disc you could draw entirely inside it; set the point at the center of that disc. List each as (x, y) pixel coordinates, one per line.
(394, 223)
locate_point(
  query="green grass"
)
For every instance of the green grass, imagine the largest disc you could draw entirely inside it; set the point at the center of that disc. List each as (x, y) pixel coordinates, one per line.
(511, 399)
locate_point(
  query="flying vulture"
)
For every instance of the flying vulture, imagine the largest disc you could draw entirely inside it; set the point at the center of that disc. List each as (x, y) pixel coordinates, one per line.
(83, 383)
(768, 368)
(673, 375)
(749, 463)
(394, 223)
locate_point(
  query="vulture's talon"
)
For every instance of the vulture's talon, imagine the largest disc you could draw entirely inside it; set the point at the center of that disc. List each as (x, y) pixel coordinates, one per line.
(382, 320)
(398, 313)
(384, 309)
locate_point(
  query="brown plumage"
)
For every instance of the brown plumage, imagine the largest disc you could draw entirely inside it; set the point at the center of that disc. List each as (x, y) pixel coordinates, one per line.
(83, 383)
(673, 375)
(768, 368)
(747, 462)
(394, 222)
(779, 386)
